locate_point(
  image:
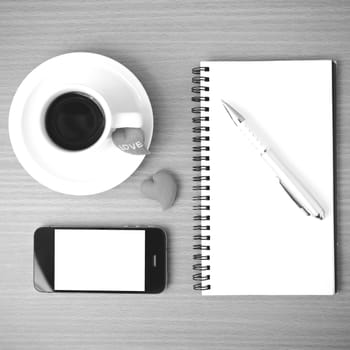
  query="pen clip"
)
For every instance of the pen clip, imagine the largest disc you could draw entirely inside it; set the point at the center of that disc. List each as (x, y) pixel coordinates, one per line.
(294, 199)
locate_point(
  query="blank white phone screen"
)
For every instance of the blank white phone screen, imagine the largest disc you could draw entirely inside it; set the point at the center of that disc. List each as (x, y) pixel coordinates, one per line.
(99, 260)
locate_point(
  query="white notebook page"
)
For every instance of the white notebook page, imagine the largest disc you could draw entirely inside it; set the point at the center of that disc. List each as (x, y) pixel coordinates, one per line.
(261, 242)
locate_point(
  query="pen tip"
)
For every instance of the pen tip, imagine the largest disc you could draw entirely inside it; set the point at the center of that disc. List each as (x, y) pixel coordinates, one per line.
(236, 117)
(227, 107)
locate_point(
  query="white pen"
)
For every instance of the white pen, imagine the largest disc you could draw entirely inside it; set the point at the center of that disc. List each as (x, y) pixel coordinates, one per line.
(287, 180)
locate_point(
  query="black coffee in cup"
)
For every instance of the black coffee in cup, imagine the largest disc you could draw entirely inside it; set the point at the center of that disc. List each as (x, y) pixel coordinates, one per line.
(74, 121)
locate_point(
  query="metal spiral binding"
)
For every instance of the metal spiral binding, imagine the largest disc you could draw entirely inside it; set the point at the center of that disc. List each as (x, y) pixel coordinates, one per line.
(201, 182)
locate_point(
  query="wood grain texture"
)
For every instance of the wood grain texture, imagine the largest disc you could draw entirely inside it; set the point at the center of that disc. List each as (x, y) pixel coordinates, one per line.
(160, 41)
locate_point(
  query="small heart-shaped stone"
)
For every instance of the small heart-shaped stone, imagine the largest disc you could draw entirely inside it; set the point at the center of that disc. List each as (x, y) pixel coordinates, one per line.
(161, 187)
(130, 140)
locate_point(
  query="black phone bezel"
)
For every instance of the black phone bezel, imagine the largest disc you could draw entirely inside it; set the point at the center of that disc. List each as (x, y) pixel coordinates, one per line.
(155, 244)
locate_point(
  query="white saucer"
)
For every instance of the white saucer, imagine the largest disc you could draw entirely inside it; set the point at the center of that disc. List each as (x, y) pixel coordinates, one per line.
(76, 173)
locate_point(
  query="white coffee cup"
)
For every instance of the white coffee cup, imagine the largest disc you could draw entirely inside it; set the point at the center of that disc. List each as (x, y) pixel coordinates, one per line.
(113, 120)
(101, 166)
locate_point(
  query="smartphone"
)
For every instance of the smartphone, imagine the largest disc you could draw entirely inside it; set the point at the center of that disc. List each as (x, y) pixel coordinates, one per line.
(111, 260)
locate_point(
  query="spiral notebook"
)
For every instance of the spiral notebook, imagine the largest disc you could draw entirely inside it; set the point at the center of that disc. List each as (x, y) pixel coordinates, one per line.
(250, 237)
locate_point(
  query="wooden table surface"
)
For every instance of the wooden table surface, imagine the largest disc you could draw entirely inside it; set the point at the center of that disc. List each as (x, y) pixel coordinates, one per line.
(160, 41)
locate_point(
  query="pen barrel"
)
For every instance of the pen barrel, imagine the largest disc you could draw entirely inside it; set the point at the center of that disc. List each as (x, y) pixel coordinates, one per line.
(293, 186)
(252, 138)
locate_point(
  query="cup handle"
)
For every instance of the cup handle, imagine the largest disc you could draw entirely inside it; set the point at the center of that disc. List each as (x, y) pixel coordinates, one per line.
(127, 120)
